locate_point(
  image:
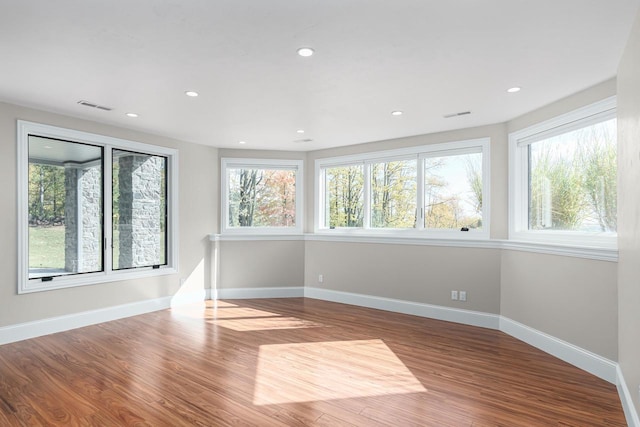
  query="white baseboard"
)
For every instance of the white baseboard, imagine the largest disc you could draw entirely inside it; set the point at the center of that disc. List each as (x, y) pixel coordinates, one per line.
(627, 402)
(597, 365)
(52, 325)
(249, 293)
(467, 317)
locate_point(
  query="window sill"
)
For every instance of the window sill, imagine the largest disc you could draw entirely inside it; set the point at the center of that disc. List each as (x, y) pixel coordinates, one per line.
(600, 254)
(89, 279)
(232, 237)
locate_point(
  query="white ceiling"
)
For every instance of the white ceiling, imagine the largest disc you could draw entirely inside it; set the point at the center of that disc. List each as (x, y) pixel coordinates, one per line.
(427, 58)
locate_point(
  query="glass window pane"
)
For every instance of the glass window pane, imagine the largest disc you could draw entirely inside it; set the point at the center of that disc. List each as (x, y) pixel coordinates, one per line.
(65, 207)
(139, 210)
(393, 194)
(262, 197)
(453, 191)
(572, 180)
(344, 196)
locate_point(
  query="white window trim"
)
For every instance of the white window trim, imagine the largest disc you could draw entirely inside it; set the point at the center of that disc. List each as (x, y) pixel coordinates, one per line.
(482, 145)
(26, 285)
(250, 163)
(518, 177)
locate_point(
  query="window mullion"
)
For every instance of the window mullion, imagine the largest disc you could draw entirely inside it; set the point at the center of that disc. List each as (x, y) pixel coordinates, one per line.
(107, 222)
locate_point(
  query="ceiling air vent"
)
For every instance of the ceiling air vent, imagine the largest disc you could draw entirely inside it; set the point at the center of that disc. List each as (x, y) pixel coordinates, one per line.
(92, 105)
(298, 141)
(463, 113)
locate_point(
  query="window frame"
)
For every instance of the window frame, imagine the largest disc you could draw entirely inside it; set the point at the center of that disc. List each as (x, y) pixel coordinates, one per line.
(27, 285)
(254, 163)
(481, 145)
(519, 142)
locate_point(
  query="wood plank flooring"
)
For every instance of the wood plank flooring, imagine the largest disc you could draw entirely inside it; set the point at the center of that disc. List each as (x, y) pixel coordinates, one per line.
(293, 362)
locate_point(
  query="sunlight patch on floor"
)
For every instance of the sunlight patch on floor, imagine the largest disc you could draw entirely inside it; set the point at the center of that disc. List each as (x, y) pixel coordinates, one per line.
(304, 372)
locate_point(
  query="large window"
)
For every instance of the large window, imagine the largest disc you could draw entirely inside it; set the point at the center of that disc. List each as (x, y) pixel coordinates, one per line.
(263, 196)
(440, 190)
(92, 208)
(563, 176)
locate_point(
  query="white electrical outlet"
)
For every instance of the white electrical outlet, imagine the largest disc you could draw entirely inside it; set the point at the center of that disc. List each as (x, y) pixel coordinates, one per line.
(454, 295)
(182, 280)
(463, 295)
(320, 278)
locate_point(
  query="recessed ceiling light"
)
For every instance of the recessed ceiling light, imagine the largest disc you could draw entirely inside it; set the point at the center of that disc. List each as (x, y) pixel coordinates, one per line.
(131, 115)
(47, 146)
(300, 131)
(191, 93)
(514, 89)
(396, 113)
(242, 142)
(305, 51)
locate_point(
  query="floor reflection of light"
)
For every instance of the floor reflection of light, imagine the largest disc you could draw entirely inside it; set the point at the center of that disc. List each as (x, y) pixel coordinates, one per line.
(242, 312)
(305, 372)
(265, 323)
(203, 311)
(218, 304)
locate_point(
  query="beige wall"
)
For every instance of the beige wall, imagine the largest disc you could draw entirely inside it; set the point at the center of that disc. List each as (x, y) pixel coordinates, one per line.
(629, 213)
(564, 105)
(424, 274)
(197, 217)
(573, 299)
(261, 264)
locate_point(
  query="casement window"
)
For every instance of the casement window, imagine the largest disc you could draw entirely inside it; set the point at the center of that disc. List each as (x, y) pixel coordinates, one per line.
(261, 196)
(92, 208)
(563, 179)
(439, 190)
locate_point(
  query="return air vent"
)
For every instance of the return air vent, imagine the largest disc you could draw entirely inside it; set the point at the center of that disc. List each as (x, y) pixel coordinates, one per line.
(462, 113)
(92, 105)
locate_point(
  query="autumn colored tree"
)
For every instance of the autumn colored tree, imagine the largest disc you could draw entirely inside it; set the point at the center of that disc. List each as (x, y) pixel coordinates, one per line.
(262, 197)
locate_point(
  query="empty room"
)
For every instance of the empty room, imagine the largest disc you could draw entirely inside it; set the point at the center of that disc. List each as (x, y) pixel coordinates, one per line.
(320, 213)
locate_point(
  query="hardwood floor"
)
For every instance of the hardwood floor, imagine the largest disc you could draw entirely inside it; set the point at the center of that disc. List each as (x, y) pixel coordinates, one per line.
(290, 362)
